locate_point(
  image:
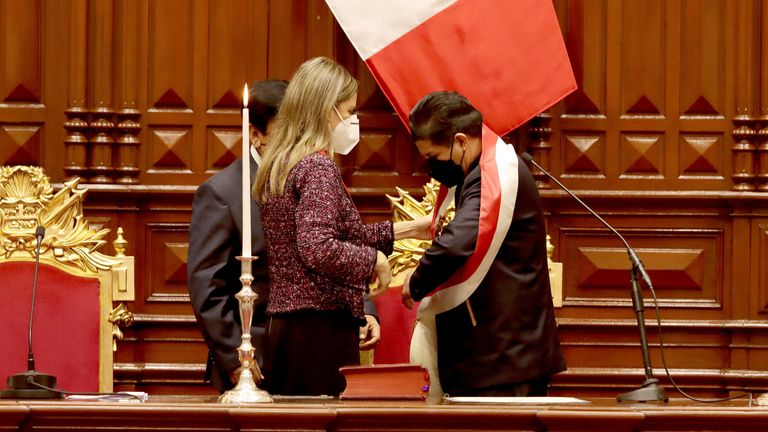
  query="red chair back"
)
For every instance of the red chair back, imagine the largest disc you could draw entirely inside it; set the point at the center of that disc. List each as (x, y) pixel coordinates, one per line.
(396, 329)
(66, 329)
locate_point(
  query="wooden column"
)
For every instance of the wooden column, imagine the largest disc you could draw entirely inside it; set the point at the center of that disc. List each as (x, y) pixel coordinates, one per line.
(127, 149)
(100, 45)
(540, 147)
(762, 134)
(75, 142)
(744, 132)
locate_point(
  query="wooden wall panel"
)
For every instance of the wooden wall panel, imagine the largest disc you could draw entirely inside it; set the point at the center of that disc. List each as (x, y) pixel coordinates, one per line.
(20, 70)
(170, 54)
(663, 69)
(587, 46)
(21, 98)
(760, 269)
(142, 99)
(702, 51)
(642, 60)
(685, 268)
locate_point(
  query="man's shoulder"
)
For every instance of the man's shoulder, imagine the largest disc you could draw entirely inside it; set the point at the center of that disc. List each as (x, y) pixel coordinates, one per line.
(225, 179)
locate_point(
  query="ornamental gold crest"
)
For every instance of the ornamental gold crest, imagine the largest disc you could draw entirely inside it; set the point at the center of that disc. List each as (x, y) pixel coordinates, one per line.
(27, 201)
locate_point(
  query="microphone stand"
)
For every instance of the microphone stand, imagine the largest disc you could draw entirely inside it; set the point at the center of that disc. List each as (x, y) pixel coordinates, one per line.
(32, 384)
(650, 390)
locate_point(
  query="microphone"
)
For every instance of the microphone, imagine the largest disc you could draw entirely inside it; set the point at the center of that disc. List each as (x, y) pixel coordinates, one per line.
(650, 389)
(32, 384)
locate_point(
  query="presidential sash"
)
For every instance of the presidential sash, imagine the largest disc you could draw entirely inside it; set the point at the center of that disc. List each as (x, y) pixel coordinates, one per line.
(498, 193)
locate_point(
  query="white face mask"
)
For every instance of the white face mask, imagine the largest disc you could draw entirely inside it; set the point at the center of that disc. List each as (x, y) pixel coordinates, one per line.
(346, 135)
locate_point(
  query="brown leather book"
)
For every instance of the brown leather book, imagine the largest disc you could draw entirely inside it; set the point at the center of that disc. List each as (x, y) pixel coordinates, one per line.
(391, 381)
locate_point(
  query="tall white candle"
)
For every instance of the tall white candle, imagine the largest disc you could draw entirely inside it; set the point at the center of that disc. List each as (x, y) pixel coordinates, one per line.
(246, 179)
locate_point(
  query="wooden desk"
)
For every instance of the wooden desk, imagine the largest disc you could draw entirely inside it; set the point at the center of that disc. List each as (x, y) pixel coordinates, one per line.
(196, 414)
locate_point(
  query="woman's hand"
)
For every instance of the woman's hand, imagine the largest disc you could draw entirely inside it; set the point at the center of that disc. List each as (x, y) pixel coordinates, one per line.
(383, 275)
(419, 229)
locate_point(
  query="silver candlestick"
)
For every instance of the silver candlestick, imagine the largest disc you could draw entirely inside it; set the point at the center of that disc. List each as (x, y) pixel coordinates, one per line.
(246, 390)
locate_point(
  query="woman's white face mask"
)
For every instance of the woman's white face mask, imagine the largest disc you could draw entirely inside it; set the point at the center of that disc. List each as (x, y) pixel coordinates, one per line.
(346, 135)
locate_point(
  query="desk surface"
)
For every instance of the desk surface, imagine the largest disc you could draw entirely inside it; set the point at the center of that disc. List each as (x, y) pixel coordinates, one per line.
(201, 413)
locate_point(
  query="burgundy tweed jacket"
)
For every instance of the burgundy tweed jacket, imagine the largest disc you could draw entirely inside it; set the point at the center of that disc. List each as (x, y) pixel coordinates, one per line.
(321, 255)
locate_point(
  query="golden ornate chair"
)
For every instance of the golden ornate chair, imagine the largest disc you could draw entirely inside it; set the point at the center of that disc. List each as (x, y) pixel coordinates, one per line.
(75, 323)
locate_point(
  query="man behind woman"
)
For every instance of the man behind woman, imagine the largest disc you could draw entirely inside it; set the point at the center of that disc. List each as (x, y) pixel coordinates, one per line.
(321, 256)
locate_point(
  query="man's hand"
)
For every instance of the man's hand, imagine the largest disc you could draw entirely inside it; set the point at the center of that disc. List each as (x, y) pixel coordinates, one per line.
(406, 293)
(370, 333)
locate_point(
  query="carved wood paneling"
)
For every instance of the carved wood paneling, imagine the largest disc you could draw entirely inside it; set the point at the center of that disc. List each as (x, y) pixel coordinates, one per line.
(760, 248)
(171, 48)
(170, 149)
(671, 114)
(587, 47)
(128, 127)
(21, 80)
(166, 252)
(20, 36)
(762, 136)
(702, 156)
(20, 144)
(702, 50)
(642, 155)
(685, 266)
(584, 154)
(651, 76)
(642, 73)
(222, 147)
(229, 52)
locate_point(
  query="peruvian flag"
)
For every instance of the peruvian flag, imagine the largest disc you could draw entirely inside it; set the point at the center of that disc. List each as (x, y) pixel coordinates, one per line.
(506, 56)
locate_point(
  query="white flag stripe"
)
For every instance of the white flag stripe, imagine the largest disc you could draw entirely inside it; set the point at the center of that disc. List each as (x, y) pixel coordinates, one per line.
(372, 24)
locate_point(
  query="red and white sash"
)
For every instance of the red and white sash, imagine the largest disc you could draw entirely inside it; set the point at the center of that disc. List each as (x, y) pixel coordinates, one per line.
(498, 194)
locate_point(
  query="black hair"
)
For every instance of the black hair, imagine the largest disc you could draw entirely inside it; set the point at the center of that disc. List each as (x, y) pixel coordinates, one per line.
(439, 116)
(264, 98)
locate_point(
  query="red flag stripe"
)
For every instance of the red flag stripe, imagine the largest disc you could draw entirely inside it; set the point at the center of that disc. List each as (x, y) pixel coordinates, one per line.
(508, 58)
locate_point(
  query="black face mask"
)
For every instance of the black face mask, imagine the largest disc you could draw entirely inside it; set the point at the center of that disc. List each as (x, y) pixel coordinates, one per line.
(446, 171)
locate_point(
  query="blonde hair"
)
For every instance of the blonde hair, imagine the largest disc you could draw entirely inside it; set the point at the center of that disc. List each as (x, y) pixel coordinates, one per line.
(301, 126)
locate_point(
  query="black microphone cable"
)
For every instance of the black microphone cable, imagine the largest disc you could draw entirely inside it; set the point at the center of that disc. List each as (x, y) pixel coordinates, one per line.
(39, 235)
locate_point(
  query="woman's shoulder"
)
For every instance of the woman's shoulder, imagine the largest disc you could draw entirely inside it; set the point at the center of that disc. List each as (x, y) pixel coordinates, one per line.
(314, 162)
(313, 165)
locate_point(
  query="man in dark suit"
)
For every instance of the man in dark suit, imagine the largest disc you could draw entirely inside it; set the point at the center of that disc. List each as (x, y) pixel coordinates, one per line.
(502, 340)
(215, 239)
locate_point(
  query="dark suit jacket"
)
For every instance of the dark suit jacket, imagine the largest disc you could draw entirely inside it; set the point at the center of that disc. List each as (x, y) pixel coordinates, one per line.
(215, 239)
(213, 272)
(515, 338)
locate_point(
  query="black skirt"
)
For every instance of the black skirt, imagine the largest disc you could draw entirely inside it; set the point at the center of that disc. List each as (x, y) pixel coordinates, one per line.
(305, 350)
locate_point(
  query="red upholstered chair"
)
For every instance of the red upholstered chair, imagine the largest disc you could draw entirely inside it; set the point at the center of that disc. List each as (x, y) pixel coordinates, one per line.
(396, 328)
(73, 319)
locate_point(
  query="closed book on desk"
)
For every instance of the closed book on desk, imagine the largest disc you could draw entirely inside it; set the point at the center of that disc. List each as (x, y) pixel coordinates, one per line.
(392, 381)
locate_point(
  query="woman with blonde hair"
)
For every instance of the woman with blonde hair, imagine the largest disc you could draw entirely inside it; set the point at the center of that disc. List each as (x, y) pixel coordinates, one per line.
(321, 256)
